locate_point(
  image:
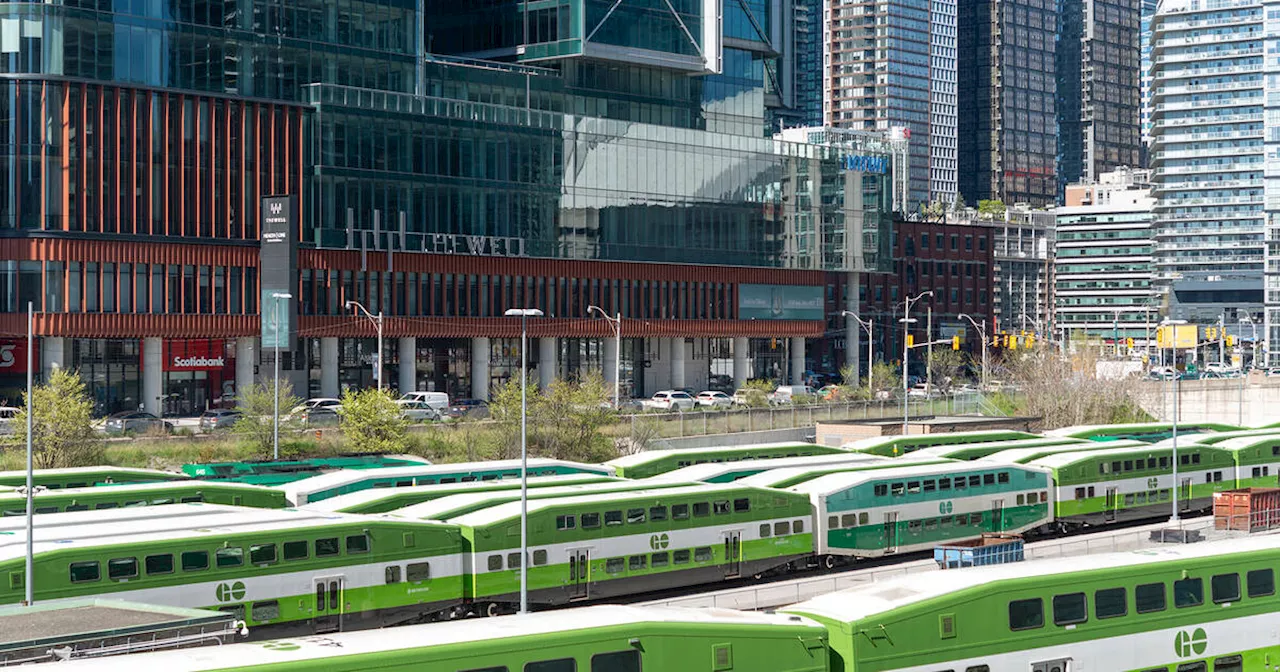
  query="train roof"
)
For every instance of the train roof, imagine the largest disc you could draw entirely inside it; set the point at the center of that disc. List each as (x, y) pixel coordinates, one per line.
(1111, 430)
(337, 479)
(645, 457)
(947, 450)
(1242, 442)
(87, 529)
(1023, 455)
(1063, 459)
(764, 479)
(509, 510)
(350, 499)
(433, 509)
(701, 472)
(140, 488)
(371, 642)
(890, 439)
(845, 479)
(1213, 438)
(74, 471)
(900, 591)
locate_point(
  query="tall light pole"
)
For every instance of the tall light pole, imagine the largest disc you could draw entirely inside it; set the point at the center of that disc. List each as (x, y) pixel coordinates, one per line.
(982, 331)
(524, 314)
(906, 351)
(377, 324)
(29, 576)
(277, 298)
(1176, 381)
(865, 324)
(616, 323)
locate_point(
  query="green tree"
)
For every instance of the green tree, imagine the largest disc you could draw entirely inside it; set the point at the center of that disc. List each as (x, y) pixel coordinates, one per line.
(886, 380)
(62, 432)
(991, 209)
(944, 368)
(256, 405)
(756, 392)
(372, 422)
(564, 421)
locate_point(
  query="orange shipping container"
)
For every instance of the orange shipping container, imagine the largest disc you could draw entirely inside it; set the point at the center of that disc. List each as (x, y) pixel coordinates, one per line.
(1247, 509)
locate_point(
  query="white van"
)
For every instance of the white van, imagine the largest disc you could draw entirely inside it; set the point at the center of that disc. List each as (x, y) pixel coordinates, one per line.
(436, 400)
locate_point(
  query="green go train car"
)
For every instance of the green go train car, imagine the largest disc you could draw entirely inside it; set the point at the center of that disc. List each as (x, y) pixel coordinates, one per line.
(278, 570)
(896, 445)
(279, 472)
(1207, 607)
(1147, 432)
(324, 486)
(143, 494)
(383, 500)
(1104, 486)
(1214, 438)
(624, 543)
(654, 462)
(787, 477)
(1025, 455)
(1256, 457)
(453, 506)
(880, 512)
(590, 639)
(727, 472)
(86, 477)
(974, 451)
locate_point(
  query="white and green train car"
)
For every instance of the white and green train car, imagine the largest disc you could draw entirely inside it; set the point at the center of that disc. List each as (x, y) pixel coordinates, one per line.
(727, 472)
(882, 512)
(974, 451)
(1257, 460)
(1208, 607)
(1025, 455)
(654, 462)
(896, 445)
(791, 476)
(383, 500)
(625, 543)
(278, 570)
(454, 506)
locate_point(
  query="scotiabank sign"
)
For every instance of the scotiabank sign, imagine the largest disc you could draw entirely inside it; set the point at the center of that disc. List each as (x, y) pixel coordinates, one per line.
(197, 355)
(13, 356)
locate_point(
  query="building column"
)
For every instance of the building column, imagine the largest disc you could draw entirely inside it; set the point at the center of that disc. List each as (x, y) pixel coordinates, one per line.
(547, 364)
(408, 368)
(740, 350)
(246, 361)
(153, 375)
(52, 355)
(797, 361)
(480, 368)
(329, 386)
(676, 346)
(852, 329)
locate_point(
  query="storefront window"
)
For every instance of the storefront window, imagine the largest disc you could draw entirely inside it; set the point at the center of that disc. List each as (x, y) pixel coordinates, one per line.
(199, 374)
(504, 360)
(444, 365)
(111, 371)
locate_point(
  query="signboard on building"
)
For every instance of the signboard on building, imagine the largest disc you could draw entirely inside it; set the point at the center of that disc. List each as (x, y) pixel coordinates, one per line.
(278, 264)
(779, 302)
(1182, 336)
(13, 356)
(861, 163)
(195, 355)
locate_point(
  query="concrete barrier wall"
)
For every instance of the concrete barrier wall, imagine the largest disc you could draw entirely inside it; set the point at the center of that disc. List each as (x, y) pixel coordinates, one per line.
(736, 439)
(1256, 403)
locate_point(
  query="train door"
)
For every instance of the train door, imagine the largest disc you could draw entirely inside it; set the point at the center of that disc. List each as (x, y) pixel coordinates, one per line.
(1184, 495)
(1060, 665)
(579, 574)
(329, 604)
(891, 532)
(732, 554)
(997, 515)
(1111, 504)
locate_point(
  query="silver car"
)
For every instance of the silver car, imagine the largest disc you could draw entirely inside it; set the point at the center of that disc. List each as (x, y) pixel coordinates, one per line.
(418, 411)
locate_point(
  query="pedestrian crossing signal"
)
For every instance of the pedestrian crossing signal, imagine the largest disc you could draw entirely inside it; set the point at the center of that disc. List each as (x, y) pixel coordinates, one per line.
(911, 341)
(955, 342)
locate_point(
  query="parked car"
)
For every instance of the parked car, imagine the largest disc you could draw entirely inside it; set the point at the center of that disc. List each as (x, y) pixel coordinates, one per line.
(320, 416)
(436, 400)
(714, 399)
(1221, 368)
(418, 411)
(671, 400)
(316, 402)
(135, 422)
(918, 391)
(786, 393)
(471, 408)
(1162, 373)
(218, 418)
(1273, 373)
(7, 414)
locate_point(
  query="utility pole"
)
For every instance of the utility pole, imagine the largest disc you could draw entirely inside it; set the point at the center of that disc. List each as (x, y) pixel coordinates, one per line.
(1222, 339)
(928, 362)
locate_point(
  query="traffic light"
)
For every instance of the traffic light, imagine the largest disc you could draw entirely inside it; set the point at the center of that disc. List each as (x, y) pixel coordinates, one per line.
(1029, 341)
(1129, 342)
(1211, 333)
(1231, 341)
(955, 342)
(911, 341)
(1013, 342)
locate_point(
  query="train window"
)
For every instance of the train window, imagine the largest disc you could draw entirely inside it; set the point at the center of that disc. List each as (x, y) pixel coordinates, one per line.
(781, 528)
(833, 522)
(881, 490)
(566, 522)
(931, 524)
(1195, 458)
(262, 554)
(495, 563)
(1228, 664)
(863, 518)
(1115, 467)
(636, 562)
(84, 572)
(158, 502)
(612, 518)
(1128, 465)
(327, 546)
(619, 661)
(975, 481)
(1164, 495)
(680, 512)
(1164, 463)
(159, 564)
(702, 554)
(1225, 588)
(358, 543)
(988, 479)
(391, 574)
(1022, 499)
(77, 507)
(122, 568)
(797, 527)
(1260, 583)
(975, 519)
(1026, 614)
(1109, 603)
(944, 484)
(1184, 459)
(232, 556)
(764, 530)
(1188, 593)
(958, 483)
(295, 550)
(106, 505)
(913, 487)
(657, 513)
(849, 520)
(1192, 667)
(1091, 491)
(1128, 499)
(1151, 463)
(1140, 498)
(136, 502)
(1036, 497)
(660, 559)
(1002, 477)
(721, 507)
(265, 611)
(913, 527)
(977, 668)
(194, 561)
(701, 509)
(930, 486)
(1217, 477)
(539, 558)
(1257, 472)
(742, 505)
(513, 560)
(1149, 598)
(615, 565)
(635, 516)
(680, 557)
(962, 520)
(1069, 609)
(590, 521)
(898, 489)
(194, 499)
(559, 665)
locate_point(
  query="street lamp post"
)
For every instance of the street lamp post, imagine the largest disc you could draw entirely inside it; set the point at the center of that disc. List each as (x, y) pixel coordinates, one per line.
(906, 351)
(29, 576)
(982, 331)
(616, 323)
(277, 297)
(865, 324)
(524, 314)
(1176, 381)
(377, 324)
